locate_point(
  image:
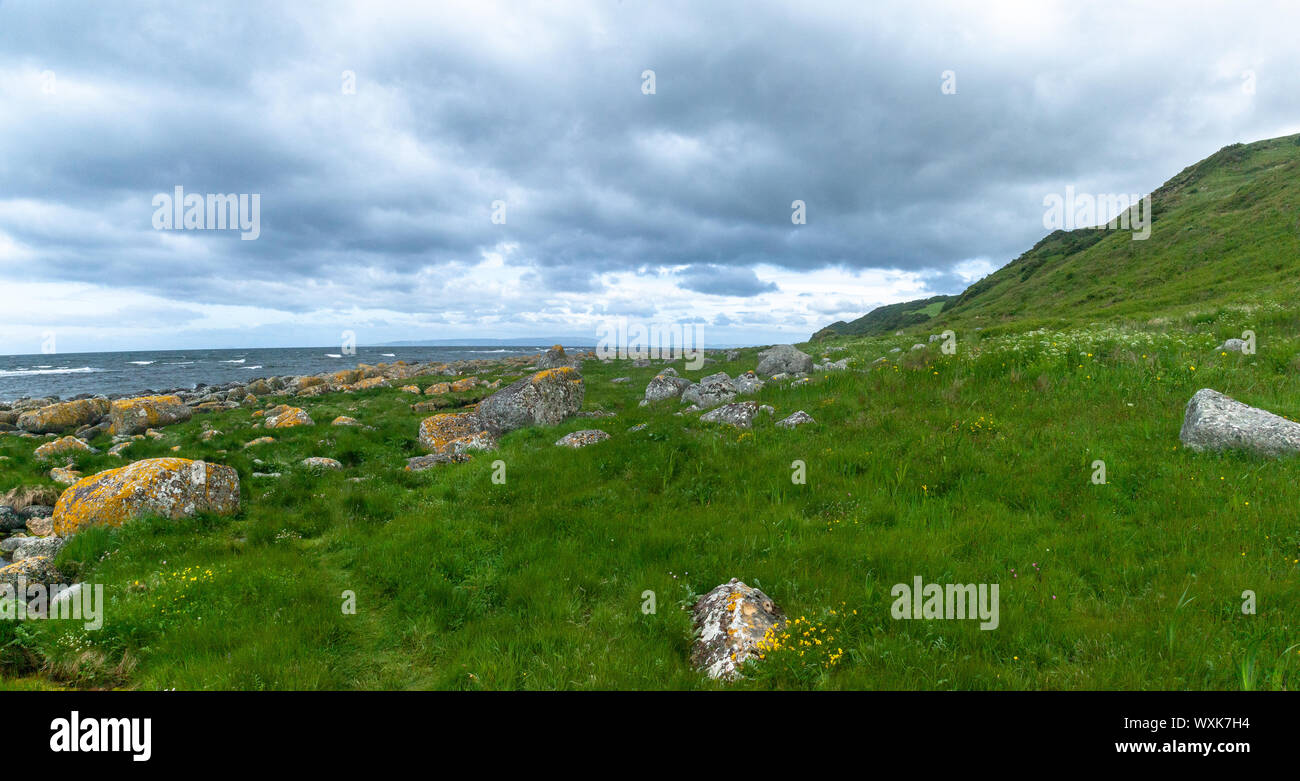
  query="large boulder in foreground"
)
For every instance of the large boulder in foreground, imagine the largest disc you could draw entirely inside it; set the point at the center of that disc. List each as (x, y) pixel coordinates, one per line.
(1217, 422)
(729, 622)
(783, 359)
(544, 399)
(170, 487)
(455, 432)
(135, 416)
(66, 416)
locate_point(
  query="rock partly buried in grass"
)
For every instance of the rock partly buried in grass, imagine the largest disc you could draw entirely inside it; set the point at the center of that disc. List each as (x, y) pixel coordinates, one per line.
(63, 446)
(666, 386)
(67, 416)
(582, 438)
(344, 420)
(729, 622)
(320, 462)
(287, 417)
(544, 399)
(421, 463)
(37, 569)
(64, 476)
(1217, 422)
(783, 359)
(832, 366)
(455, 432)
(795, 419)
(740, 414)
(1232, 346)
(260, 441)
(711, 391)
(132, 416)
(169, 487)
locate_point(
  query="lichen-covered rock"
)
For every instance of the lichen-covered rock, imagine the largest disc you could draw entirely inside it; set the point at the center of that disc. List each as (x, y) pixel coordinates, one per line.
(410, 389)
(40, 527)
(666, 386)
(740, 414)
(747, 384)
(369, 383)
(346, 377)
(729, 622)
(1232, 346)
(582, 438)
(63, 446)
(170, 487)
(710, 392)
(795, 419)
(421, 463)
(64, 476)
(65, 416)
(132, 416)
(438, 388)
(783, 359)
(38, 546)
(287, 417)
(1214, 421)
(544, 399)
(554, 358)
(455, 432)
(344, 420)
(259, 441)
(320, 462)
(460, 386)
(36, 569)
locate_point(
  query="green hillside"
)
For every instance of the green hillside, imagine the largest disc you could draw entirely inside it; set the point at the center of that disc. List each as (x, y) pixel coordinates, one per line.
(1226, 231)
(886, 319)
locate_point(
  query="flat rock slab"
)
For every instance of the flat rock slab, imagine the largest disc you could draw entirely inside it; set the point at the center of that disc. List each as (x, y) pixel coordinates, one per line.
(1215, 422)
(582, 438)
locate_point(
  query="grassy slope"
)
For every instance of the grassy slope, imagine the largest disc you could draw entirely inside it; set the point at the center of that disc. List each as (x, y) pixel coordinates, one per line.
(967, 468)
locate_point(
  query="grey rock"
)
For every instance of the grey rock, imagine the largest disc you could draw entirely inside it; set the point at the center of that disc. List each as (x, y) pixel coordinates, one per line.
(1232, 346)
(666, 386)
(1215, 422)
(421, 463)
(544, 399)
(783, 358)
(710, 392)
(38, 546)
(740, 414)
(582, 438)
(795, 419)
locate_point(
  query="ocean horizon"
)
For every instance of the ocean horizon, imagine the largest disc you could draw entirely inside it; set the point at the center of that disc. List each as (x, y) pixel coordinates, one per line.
(140, 371)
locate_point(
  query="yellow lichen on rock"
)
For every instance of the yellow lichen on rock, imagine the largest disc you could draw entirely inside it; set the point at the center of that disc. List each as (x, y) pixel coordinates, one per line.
(62, 446)
(131, 416)
(287, 417)
(169, 487)
(64, 416)
(454, 432)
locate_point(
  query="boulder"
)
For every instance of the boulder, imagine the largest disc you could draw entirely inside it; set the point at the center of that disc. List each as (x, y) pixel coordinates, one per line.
(320, 462)
(455, 432)
(421, 463)
(1232, 346)
(740, 414)
(711, 391)
(287, 417)
(1214, 422)
(63, 446)
(64, 476)
(796, 419)
(37, 569)
(170, 487)
(582, 438)
(666, 386)
(132, 416)
(344, 420)
(554, 358)
(544, 399)
(730, 621)
(67, 416)
(783, 359)
(38, 546)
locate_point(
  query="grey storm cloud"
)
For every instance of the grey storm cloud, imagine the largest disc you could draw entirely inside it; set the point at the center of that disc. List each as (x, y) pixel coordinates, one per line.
(755, 107)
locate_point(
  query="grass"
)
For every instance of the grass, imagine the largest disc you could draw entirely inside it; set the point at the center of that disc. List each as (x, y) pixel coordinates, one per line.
(970, 468)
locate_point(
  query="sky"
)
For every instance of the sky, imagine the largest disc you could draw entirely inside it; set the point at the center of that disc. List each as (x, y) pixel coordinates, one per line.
(504, 169)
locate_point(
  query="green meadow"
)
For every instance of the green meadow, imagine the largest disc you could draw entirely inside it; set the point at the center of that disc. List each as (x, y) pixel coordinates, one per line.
(576, 569)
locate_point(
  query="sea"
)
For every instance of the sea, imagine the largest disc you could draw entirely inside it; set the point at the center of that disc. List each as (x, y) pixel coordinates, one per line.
(131, 373)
